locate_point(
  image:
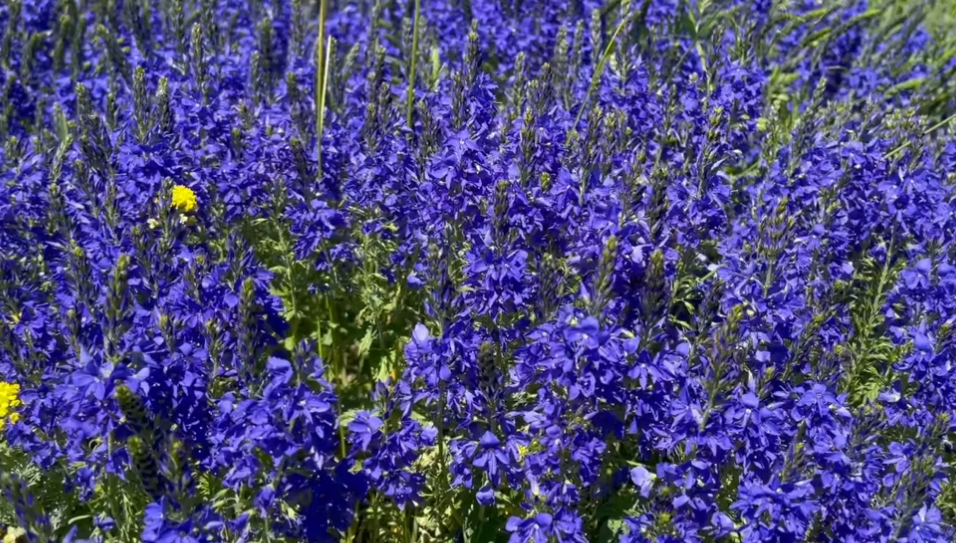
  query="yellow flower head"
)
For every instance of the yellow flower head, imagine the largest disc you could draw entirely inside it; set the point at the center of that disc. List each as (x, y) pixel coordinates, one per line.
(184, 198)
(15, 535)
(9, 400)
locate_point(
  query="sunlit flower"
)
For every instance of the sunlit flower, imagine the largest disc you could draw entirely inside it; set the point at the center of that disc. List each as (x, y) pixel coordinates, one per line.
(184, 198)
(9, 400)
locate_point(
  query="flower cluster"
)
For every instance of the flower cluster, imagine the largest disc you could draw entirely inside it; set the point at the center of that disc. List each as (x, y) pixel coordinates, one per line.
(648, 271)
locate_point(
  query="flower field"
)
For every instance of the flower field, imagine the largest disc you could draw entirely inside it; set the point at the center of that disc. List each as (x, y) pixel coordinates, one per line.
(478, 271)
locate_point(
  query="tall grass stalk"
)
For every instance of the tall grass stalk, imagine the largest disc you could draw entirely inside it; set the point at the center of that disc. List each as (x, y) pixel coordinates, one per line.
(413, 70)
(599, 70)
(321, 82)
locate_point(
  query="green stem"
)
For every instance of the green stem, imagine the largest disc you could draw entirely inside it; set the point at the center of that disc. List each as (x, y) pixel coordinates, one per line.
(928, 131)
(441, 437)
(768, 278)
(318, 335)
(414, 67)
(339, 368)
(596, 78)
(343, 449)
(320, 85)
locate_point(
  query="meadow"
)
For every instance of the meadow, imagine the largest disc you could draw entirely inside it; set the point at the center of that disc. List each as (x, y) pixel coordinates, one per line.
(477, 271)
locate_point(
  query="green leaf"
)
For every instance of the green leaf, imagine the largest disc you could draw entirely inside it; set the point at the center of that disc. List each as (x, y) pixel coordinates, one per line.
(905, 86)
(365, 345)
(382, 375)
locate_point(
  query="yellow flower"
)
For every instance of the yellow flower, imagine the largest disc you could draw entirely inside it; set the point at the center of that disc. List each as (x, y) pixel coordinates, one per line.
(15, 535)
(184, 198)
(9, 399)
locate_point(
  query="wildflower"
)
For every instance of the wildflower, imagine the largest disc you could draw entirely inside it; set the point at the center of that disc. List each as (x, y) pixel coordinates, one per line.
(633, 279)
(9, 399)
(184, 198)
(15, 535)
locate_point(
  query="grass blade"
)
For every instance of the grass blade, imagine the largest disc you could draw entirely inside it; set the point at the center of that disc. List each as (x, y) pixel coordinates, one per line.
(414, 68)
(321, 73)
(599, 71)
